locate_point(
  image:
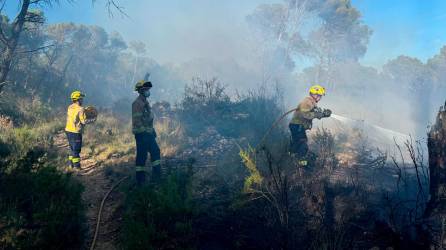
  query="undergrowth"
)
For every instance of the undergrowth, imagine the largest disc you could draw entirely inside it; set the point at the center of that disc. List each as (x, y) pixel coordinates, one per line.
(40, 207)
(160, 217)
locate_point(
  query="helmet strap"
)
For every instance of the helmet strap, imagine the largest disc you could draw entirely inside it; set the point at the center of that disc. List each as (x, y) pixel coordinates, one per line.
(315, 97)
(78, 101)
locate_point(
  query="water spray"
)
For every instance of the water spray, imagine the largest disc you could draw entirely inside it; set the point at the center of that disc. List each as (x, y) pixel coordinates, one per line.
(391, 134)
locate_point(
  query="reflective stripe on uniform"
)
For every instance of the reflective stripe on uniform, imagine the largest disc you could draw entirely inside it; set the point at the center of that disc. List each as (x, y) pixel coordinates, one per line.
(75, 159)
(156, 163)
(70, 158)
(140, 168)
(302, 162)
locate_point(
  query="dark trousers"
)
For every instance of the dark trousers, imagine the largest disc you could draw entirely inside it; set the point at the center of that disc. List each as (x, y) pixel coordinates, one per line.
(299, 140)
(75, 142)
(146, 143)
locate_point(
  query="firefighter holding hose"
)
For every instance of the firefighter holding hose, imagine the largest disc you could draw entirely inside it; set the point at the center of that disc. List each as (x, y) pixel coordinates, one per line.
(302, 121)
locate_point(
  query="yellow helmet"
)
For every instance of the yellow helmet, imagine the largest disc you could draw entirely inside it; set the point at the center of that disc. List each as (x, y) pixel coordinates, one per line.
(142, 84)
(317, 90)
(76, 95)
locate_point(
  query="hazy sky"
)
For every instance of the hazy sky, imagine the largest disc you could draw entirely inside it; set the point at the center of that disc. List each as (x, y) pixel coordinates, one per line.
(179, 30)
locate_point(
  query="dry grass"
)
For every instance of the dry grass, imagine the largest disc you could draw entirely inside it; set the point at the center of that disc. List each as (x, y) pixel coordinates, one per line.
(110, 138)
(170, 136)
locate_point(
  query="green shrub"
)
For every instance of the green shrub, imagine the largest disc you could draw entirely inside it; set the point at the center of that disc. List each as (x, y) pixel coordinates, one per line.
(40, 208)
(20, 140)
(160, 217)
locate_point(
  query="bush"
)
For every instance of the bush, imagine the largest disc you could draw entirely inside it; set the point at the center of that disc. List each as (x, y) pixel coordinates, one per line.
(160, 218)
(206, 103)
(40, 208)
(25, 110)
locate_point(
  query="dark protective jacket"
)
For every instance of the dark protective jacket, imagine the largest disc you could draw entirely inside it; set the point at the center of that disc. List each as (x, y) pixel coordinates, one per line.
(142, 116)
(305, 113)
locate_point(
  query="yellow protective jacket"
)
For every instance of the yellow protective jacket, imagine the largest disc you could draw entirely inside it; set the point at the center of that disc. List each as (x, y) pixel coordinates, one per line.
(305, 113)
(75, 118)
(142, 116)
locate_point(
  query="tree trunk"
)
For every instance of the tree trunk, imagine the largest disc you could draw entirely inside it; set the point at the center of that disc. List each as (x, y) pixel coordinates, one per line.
(11, 43)
(436, 207)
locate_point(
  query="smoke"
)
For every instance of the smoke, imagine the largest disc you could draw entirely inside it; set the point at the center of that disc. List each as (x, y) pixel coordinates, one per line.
(196, 38)
(289, 43)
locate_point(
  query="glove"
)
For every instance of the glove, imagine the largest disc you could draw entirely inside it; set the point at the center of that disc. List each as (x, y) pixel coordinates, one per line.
(326, 113)
(89, 121)
(318, 113)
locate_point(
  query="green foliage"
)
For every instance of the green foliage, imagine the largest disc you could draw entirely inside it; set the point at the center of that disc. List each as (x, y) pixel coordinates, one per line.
(249, 161)
(160, 217)
(40, 208)
(16, 142)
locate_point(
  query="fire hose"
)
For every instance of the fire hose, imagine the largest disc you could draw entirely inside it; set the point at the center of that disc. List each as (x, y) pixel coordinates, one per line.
(274, 125)
(124, 178)
(100, 210)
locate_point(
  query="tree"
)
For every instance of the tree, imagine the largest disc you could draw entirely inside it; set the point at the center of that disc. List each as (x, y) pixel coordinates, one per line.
(11, 32)
(324, 31)
(10, 35)
(436, 209)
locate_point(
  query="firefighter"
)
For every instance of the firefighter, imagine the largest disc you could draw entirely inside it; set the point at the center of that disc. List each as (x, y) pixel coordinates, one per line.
(76, 120)
(302, 121)
(145, 135)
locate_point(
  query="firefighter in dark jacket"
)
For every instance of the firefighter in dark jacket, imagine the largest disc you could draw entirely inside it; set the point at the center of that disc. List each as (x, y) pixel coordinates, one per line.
(302, 121)
(142, 127)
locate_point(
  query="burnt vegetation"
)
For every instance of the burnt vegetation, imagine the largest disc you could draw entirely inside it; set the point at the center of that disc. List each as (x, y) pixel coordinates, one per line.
(350, 197)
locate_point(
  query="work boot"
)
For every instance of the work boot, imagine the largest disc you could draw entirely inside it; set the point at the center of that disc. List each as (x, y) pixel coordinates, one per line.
(76, 161)
(140, 178)
(70, 162)
(311, 158)
(302, 162)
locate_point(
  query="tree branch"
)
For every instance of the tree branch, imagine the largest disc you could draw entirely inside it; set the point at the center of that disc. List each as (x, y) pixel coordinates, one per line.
(114, 5)
(36, 49)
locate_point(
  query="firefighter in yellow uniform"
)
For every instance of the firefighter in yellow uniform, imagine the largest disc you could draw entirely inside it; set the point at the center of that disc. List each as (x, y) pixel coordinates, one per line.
(302, 121)
(145, 135)
(76, 121)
